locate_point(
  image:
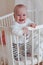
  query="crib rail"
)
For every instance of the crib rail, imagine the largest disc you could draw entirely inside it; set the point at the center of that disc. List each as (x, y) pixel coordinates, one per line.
(7, 20)
(2, 17)
(37, 27)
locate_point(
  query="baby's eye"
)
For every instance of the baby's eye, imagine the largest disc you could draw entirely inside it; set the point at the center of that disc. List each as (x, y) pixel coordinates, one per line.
(18, 15)
(24, 15)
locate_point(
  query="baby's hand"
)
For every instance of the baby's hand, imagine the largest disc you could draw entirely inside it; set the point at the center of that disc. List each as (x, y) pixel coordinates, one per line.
(33, 25)
(25, 30)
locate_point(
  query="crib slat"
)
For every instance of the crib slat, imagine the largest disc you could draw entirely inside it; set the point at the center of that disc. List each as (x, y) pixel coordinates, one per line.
(12, 50)
(18, 49)
(39, 47)
(33, 47)
(25, 50)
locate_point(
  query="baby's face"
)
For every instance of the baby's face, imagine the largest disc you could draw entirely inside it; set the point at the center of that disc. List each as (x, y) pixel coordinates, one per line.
(21, 15)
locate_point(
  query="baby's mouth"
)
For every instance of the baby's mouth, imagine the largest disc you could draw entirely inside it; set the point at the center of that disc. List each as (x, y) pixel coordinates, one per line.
(21, 19)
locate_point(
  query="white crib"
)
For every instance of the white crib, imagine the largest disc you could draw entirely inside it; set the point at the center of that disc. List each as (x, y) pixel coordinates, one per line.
(6, 50)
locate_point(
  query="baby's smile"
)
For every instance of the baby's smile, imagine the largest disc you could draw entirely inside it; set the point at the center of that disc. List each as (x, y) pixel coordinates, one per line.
(21, 19)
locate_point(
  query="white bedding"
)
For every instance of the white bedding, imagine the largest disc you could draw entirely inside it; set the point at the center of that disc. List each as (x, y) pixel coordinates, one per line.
(29, 61)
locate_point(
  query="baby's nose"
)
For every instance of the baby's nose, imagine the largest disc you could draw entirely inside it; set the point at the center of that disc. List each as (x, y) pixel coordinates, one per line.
(21, 17)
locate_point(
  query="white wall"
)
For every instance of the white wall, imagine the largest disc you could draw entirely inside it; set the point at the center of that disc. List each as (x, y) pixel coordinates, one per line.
(6, 6)
(10, 5)
(3, 7)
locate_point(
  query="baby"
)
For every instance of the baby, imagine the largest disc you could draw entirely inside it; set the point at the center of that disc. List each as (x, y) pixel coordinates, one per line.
(21, 21)
(20, 26)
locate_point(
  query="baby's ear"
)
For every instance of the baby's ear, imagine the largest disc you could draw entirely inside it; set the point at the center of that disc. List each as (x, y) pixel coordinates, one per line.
(14, 15)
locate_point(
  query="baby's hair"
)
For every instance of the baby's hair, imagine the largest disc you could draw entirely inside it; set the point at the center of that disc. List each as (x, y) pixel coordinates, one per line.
(19, 6)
